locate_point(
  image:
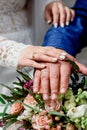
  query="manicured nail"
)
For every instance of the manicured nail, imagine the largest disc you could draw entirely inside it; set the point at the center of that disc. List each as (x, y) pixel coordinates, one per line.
(72, 19)
(63, 53)
(54, 59)
(55, 25)
(54, 97)
(62, 25)
(67, 23)
(62, 90)
(42, 65)
(35, 90)
(62, 57)
(45, 97)
(49, 21)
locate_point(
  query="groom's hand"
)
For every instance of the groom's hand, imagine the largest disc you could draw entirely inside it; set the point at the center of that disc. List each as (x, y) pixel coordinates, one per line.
(58, 14)
(53, 79)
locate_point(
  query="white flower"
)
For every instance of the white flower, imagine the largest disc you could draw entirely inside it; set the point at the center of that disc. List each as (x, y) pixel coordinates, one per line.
(26, 115)
(77, 112)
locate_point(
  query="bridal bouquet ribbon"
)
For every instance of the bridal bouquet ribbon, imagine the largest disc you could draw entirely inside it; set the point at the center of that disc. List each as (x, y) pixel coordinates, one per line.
(30, 112)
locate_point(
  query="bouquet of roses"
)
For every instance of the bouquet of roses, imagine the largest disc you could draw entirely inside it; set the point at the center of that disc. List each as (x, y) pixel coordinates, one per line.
(29, 111)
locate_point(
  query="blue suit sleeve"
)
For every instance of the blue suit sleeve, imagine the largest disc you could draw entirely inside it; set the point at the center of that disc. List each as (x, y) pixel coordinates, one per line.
(71, 38)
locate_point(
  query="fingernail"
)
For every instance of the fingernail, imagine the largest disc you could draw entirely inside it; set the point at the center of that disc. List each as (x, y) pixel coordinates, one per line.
(67, 23)
(45, 97)
(49, 21)
(42, 65)
(35, 90)
(54, 59)
(54, 97)
(55, 25)
(62, 57)
(72, 19)
(63, 53)
(62, 90)
(62, 25)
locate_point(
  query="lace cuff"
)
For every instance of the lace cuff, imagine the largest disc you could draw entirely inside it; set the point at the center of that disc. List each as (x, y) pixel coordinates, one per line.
(9, 52)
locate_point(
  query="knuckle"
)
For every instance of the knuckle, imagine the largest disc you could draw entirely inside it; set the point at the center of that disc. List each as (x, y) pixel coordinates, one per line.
(54, 76)
(37, 74)
(44, 77)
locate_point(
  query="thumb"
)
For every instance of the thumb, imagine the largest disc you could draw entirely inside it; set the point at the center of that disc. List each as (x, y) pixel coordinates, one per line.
(83, 68)
(48, 16)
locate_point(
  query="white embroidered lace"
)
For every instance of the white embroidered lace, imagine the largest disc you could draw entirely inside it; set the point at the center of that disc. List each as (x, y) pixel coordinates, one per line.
(13, 18)
(9, 52)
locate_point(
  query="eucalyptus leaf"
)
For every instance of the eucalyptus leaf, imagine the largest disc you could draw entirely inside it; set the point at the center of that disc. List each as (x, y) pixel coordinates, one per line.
(56, 113)
(24, 76)
(2, 99)
(10, 123)
(32, 108)
(5, 109)
(74, 65)
(11, 89)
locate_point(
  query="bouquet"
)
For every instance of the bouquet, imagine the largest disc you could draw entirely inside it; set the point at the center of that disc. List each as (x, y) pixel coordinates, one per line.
(29, 112)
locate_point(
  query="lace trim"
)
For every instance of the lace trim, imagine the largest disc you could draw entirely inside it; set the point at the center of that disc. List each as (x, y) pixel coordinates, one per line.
(9, 52)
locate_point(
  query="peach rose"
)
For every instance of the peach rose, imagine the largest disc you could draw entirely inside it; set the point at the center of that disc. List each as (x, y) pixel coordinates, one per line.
(41, 121)
(16, 108)
(29, 100)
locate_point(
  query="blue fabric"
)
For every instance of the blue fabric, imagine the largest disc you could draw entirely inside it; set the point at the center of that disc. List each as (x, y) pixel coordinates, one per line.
(71, 38)
(81, 7)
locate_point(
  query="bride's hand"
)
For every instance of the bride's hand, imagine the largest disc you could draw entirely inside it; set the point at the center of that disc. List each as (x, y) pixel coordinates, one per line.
(58, 14)
(31, 55)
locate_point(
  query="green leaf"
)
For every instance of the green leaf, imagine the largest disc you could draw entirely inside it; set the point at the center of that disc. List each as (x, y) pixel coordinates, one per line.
(1, 114)
(11, 89)
(9, 116)
(5, 109)
(24, 76)
(2, 99)
(16, 83)
(56, 113)
(32, 108)
(10, 123)
(74, 65)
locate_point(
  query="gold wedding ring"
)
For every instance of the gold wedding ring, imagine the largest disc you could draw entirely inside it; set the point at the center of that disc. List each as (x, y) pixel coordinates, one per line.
(33, 55)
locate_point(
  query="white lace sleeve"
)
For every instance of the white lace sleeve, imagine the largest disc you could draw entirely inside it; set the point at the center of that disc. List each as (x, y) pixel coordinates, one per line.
(9, 52)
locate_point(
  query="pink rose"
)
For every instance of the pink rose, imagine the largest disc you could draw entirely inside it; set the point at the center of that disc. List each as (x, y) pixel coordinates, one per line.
(41, 121)
(16, 108)
(29, 100)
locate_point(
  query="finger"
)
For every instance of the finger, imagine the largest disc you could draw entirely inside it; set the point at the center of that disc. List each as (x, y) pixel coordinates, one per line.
(37, 80)
(68, 15)
(34, 64)
(45, 83)
(48, 16)
(65, 72)
(54, 80)
(55, 13)
(62, 15)
(42, 57)
(83, 68)
(72, 14)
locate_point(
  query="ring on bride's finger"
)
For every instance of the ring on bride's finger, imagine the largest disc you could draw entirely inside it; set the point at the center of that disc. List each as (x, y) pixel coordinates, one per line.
(33, 56)
(63, 56)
